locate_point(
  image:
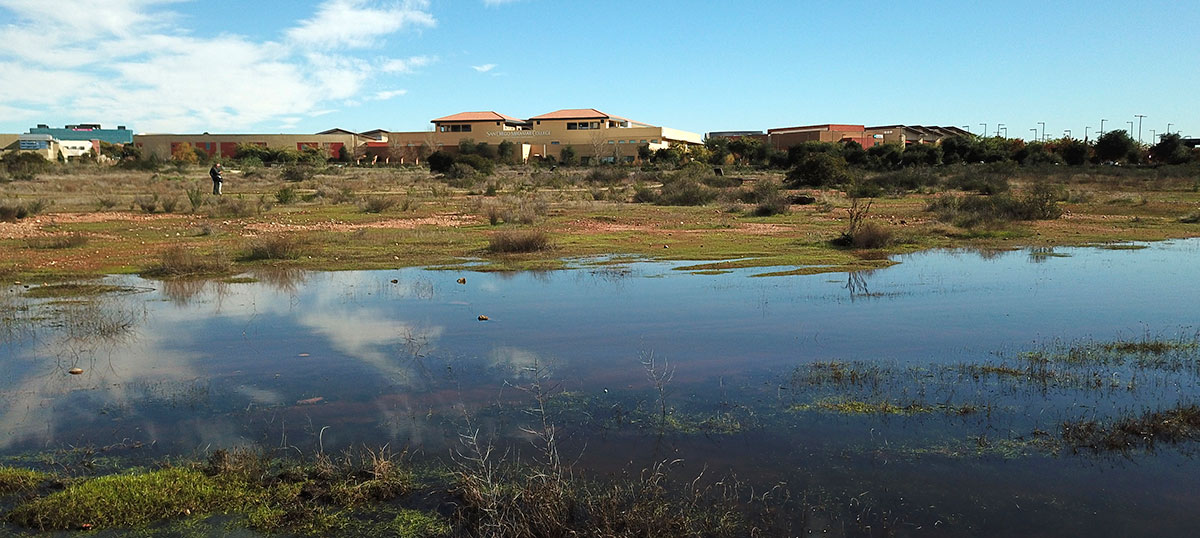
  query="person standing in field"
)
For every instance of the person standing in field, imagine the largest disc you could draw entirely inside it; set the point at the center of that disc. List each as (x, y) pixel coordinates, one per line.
(215, 174)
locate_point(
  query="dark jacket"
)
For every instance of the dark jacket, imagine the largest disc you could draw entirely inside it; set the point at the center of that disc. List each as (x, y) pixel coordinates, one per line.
(215, 174)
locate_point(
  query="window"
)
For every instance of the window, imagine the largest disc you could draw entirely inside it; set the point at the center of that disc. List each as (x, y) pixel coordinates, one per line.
(595, 125)
(654, 141)
(642, 141)
(553, 142)
(572, 126)
(611, 142)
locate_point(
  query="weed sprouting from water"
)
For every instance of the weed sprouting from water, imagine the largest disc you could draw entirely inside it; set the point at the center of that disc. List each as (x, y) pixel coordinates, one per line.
(1175, 425)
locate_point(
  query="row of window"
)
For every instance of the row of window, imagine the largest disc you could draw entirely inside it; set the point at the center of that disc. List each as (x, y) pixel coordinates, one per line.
(455, 128)
(582, 125)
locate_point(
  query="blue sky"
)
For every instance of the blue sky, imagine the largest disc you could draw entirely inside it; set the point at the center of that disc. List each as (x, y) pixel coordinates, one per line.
(305, 66)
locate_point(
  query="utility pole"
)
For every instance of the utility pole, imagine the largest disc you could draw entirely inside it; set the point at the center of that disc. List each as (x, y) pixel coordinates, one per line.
(1139, 117)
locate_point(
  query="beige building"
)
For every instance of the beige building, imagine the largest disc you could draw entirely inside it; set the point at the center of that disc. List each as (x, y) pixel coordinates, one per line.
(225, 145)
(589, 132)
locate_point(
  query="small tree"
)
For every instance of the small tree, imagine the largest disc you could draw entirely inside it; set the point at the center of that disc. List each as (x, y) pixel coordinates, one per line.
(1074, 152)
(184, 153)
(644, 153)
(1114, 146)
(818, 170)
(568, 156)
(506, 152)
(1170, 150)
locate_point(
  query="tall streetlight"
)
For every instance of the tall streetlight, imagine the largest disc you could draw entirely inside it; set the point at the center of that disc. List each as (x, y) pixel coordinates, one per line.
(1101, 126)
(1067, 133)
(1151, 136)
(1085, 133)
(998, 127)
(1043, 124)
(1006, 132)
(1130, 133)
(1168, 128)
(1139, 117)
(1034, 133)
(983, 133)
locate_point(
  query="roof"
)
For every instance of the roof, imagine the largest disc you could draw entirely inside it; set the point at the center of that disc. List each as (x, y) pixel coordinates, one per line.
(337, 130)
(577, 114)
(819, 127)
(44, 137)
(478, 116)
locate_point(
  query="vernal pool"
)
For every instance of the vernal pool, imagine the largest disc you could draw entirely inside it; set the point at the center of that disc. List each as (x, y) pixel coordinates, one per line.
(943, 395)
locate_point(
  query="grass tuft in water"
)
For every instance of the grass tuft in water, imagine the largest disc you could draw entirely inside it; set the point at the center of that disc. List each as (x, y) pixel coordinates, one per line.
(1170, 426)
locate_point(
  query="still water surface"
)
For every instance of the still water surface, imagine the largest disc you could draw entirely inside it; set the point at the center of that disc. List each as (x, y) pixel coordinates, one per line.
(327, 360)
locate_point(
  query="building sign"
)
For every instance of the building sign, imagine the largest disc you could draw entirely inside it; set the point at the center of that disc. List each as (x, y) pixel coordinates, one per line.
(518, 133)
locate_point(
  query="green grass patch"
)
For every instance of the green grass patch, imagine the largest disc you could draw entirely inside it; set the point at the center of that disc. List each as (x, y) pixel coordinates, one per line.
(13, 479)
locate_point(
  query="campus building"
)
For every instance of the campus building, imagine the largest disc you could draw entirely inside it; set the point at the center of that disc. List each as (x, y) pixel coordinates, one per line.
(224, 146)
(590, 133)
(86, 131)
(782, 138)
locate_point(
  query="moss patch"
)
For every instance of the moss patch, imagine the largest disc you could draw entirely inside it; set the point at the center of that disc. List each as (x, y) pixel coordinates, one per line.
(13, 479)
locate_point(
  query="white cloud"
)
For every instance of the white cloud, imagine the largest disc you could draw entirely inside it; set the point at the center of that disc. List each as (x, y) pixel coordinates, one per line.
(483, 68)
(385, 95)
(352, 23)
(127, 62)
(406, 65)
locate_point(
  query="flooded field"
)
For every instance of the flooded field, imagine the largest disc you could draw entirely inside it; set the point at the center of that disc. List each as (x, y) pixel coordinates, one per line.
(1028, 392)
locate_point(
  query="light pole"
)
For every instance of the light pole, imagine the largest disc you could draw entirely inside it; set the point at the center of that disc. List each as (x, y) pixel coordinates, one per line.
(1168, 128)
(1101, 126)
(1067, 133)
(1085, 133)
(1034, 133)
(1139, 117)
(1043, 124)
(1130, 133)
(1006, 132)
(998, 127)
(1151, 136)
(983, 133)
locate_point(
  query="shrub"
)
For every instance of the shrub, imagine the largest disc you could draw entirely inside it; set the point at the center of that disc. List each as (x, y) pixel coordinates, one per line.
(819, 170)
(25, 165)
(58, 241)
(971, 211)
(296, 173)
(685, 192)
(234, 207)
(169, 204)
(195, 196)
(178, 260)
(12, 213)
(106, 202)
(771, 200)
(461, 171)
(37, 206)
(286, 195)
(989, 178)
(149, 204)
(517, 241)
(275, 247)
(377, 204)
(440, 162)
(908, 179)
(871, 235)
(605, 174)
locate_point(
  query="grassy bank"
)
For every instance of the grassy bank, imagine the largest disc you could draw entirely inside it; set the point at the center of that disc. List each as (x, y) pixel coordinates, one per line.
(101, 221)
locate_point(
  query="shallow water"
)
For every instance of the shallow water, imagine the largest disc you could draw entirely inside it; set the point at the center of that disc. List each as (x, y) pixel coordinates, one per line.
(327, 360)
